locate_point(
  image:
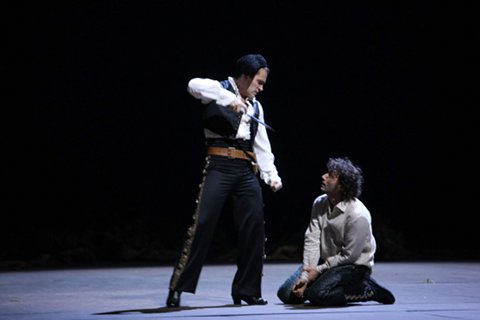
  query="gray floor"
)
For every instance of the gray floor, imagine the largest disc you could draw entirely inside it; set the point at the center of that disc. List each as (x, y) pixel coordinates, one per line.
(435, 290)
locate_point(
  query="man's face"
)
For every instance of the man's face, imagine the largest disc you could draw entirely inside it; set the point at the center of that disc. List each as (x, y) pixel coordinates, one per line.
(255, 85)
(330, 183)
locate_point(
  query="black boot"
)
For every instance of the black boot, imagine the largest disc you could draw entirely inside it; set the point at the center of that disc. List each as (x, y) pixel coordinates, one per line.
(380, 294)
(371, 291)
(173, 300)
(249, 300)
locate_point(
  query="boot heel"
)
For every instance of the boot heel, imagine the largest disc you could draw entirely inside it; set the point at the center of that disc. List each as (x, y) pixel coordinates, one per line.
(173, 300)
(249, 300)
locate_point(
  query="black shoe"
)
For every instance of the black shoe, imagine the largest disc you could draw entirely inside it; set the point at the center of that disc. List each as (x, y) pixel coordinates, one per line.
(249, 300)
(380, 294)
(173, 300)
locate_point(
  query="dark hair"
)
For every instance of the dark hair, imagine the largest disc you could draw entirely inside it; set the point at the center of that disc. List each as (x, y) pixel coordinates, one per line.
(349, 176)
(250, 64)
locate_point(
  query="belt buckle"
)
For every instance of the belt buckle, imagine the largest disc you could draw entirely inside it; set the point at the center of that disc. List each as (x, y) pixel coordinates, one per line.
(231, 152)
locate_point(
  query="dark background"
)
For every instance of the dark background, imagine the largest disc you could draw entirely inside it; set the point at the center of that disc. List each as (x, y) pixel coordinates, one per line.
(104, 147)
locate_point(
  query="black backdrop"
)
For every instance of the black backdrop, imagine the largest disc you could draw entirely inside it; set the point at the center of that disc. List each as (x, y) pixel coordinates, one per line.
(104, 148)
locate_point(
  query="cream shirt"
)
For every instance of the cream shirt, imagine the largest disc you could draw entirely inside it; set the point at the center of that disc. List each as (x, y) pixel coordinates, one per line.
(339, 236)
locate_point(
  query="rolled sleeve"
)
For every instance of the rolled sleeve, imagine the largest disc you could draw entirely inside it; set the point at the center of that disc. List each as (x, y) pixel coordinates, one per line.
(208, 90)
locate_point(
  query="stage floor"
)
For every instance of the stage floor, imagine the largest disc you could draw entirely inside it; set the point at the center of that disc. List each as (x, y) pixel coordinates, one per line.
(432, 290)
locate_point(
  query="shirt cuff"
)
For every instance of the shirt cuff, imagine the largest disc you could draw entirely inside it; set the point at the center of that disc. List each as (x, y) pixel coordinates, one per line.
(304, 276)
(322, 268)
(270, 177)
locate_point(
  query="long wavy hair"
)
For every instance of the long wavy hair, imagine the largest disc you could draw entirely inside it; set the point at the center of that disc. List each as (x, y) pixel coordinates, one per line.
(349, 176)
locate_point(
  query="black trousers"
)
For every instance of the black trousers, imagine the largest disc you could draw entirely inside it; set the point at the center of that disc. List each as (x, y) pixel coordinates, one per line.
(225, 179)
(337, 286)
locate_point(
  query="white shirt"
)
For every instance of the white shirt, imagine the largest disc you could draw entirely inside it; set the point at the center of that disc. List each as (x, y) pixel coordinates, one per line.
(208, 90)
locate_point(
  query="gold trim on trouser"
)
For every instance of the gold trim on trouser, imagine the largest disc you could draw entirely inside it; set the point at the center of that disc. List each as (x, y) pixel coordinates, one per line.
(187, 245)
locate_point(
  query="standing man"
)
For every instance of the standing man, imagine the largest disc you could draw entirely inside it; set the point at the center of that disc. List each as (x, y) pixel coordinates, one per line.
(237, 148)
(339, 248)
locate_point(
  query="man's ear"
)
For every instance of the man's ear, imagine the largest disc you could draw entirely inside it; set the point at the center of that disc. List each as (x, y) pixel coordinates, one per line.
(339, 186)
(244, 82)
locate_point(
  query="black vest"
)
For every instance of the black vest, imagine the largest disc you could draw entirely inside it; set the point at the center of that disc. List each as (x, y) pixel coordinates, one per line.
(225, 121)
(253, 124)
